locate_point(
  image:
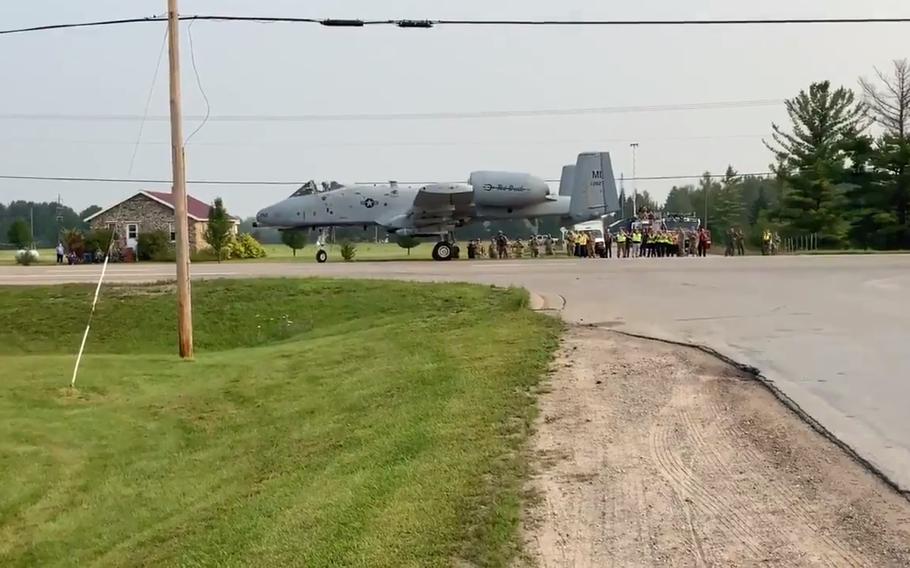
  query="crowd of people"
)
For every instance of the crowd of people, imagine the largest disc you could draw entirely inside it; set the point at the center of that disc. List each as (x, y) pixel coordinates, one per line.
(501, 247)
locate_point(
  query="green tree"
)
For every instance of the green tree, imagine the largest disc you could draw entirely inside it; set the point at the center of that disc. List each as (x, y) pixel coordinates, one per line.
(19, 234)
(88, 211)
(218, 229)
(408, 243)
(880, 176)
(728, 208)
(294, 239)
(812, 160)
(679, 200)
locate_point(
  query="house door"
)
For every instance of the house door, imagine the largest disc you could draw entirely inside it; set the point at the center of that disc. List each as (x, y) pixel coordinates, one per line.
(132, 235)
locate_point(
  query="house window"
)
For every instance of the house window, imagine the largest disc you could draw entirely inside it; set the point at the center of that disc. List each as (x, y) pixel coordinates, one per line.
(132, 231)
(172, 232)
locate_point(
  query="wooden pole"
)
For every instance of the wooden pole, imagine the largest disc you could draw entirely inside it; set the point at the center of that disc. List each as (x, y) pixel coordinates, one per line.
(184, 299)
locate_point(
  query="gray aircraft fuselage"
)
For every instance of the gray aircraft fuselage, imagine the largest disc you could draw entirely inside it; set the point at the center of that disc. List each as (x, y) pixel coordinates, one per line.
(437, 209)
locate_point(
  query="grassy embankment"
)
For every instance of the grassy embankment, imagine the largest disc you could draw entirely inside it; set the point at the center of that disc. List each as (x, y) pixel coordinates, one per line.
(323, 423)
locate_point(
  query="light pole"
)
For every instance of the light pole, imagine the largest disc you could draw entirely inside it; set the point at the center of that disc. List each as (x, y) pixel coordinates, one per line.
(634, 146)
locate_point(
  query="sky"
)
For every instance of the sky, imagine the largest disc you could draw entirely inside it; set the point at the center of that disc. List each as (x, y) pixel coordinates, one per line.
(294, 69)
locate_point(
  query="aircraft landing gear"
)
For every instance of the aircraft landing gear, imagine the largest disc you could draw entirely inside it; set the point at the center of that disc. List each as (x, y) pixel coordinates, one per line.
(443, 251)
(321, 256)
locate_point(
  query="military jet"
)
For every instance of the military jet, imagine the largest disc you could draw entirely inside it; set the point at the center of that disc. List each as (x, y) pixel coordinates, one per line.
(587, 190)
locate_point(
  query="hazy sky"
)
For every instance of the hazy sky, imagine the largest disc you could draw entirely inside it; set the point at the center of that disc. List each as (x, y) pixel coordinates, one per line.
(293, 69)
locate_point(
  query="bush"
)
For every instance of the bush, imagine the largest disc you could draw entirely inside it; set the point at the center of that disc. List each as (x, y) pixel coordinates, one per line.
(408, 243)
(26, 257)
(153, 244)
(348, 250)
(74, 241)
(99, 239)
(245, 246)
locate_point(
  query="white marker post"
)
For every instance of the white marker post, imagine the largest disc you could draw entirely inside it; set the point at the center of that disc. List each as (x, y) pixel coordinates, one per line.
(90, 315)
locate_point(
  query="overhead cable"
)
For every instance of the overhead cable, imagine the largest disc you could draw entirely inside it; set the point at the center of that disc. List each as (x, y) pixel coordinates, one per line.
(423, 24)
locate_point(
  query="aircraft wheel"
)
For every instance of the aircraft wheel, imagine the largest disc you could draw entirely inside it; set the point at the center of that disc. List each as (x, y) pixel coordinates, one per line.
(321, 256)
(442, 251)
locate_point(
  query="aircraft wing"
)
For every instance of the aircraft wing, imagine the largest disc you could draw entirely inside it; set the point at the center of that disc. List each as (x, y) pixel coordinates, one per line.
(442, 203)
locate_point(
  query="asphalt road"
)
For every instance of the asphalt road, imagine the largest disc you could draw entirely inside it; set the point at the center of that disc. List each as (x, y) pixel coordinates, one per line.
(832, 332)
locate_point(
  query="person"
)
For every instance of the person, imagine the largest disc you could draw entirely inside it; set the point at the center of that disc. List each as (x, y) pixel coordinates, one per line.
(502, 245)
(534, 244)
(472, 250)
(518, 248)
(702, 242)
(492, 249)
(570, 243)
(548, 246)
(636, 243)
(608, 244)
(731, 238)
(775, 243)
(739, 242)
(60, 252)
(628, 244)
(766, 242)
(620, 243)
(589, 243)
(581, 244)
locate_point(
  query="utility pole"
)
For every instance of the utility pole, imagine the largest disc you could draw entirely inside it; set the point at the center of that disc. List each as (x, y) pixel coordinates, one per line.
(634, 180)
(178, 190)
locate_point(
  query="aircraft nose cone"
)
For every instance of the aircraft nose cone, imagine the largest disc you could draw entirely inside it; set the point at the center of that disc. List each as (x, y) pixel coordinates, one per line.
(263, 215)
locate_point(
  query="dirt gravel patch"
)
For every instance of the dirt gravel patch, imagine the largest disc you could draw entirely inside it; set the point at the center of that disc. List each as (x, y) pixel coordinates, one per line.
(648, 454)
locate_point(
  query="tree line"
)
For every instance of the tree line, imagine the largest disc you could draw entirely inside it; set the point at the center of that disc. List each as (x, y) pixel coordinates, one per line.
(47, 220)
(841, 171)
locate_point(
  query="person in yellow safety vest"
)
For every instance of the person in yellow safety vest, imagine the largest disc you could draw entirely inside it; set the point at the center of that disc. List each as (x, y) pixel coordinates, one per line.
(620, 244)
(636, 243)
(581, 245)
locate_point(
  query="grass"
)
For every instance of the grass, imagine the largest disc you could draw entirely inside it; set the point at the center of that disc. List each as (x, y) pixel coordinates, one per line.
(46, 256)
(323, 423)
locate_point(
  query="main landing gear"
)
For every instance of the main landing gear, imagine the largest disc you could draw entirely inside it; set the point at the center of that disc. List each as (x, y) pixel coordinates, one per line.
(321, 256)
(443, 251)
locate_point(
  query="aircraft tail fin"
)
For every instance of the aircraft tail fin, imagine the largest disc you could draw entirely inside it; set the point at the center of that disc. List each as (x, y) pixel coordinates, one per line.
(567, 180)
(594, 192)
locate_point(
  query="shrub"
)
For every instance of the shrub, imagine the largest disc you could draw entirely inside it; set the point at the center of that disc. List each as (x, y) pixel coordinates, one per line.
(26, 257)
(244, 246)
(99, 239)
(74, 241)
(408, 243)
(153, 244)
(348, 250)
(294, 239)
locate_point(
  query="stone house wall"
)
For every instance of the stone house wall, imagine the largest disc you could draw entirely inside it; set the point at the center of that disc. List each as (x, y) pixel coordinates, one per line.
(150, 215)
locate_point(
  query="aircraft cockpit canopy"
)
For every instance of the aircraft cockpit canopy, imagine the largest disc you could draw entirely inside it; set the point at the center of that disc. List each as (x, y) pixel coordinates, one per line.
(311, 188)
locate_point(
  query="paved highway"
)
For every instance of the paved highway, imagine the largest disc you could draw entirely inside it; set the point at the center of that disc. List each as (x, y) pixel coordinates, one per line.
(832, 332)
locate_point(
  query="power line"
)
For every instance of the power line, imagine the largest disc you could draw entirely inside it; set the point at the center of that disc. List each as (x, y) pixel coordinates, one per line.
(407, 23)
(148, 103)
(300, 182)
(716, 105)
(208, 105)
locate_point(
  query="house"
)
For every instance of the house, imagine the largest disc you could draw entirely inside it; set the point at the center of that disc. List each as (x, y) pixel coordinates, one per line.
(149, 211)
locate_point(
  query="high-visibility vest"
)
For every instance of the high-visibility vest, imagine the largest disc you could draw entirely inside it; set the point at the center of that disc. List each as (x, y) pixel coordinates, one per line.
(620, 238)
(636, 237)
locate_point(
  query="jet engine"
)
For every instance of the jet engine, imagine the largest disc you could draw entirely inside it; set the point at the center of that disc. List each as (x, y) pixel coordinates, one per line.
(507, 189)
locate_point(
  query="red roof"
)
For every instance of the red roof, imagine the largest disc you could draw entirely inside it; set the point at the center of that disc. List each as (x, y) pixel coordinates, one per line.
(194, 207)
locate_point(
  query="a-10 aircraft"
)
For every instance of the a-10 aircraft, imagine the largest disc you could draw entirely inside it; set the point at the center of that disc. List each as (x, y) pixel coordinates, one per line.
(587, 191)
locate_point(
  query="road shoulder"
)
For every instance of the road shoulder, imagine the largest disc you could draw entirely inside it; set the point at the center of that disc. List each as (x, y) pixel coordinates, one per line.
(649, 454)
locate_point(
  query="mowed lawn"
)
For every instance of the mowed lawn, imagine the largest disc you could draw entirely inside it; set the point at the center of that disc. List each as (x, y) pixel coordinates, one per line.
(323, 423)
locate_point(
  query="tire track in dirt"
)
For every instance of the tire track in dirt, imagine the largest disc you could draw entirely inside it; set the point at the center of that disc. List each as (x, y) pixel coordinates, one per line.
(782, 495)
(668, 457)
